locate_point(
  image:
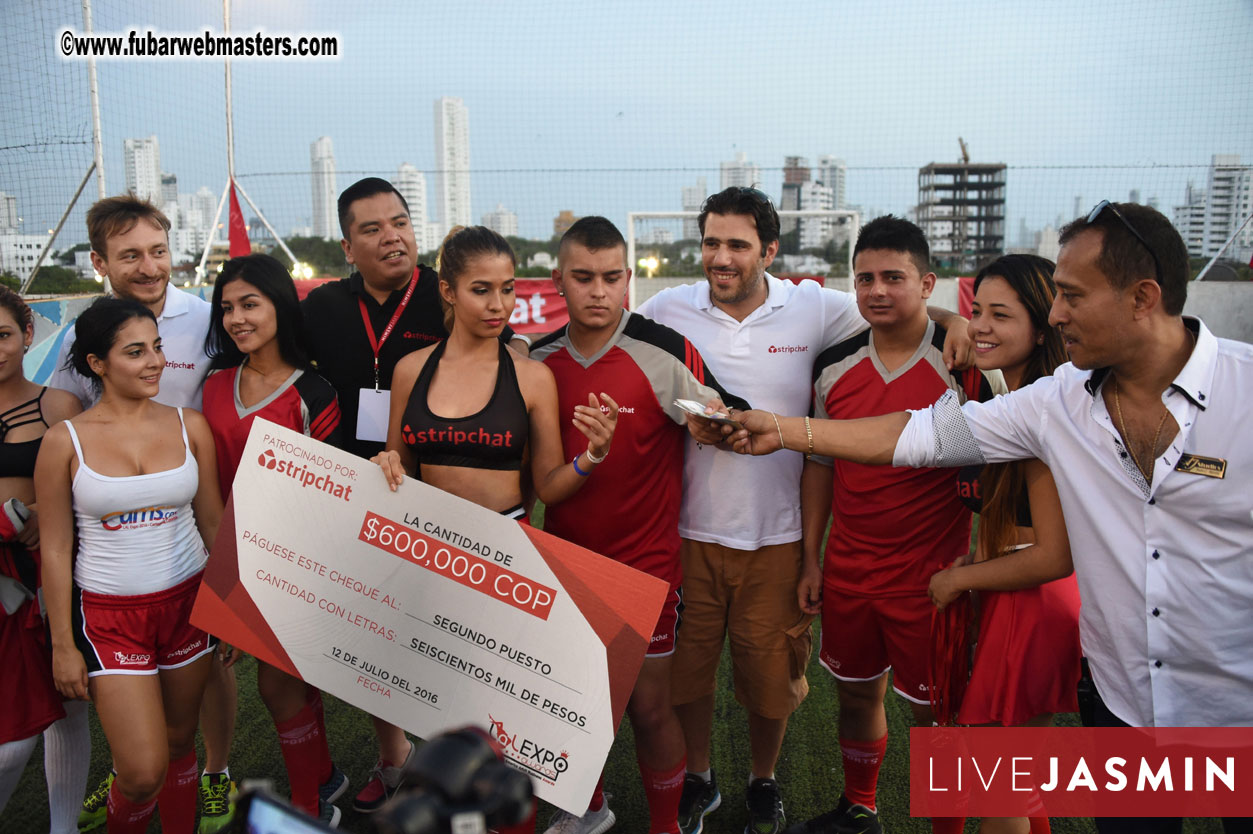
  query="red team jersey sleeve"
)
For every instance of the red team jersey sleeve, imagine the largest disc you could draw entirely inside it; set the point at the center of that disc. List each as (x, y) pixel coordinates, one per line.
(892, 527)
(305, 403)
(629, 508)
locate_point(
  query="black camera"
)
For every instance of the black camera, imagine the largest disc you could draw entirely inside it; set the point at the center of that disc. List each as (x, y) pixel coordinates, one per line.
(456, 783)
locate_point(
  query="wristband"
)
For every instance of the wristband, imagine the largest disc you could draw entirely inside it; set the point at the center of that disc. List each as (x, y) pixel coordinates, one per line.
(593, 459)
(809, 432)
(779, 429)
(575, 463)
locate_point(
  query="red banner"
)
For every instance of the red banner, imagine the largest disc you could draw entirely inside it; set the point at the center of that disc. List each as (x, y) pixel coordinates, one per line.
(1081, 772)
(539, 309)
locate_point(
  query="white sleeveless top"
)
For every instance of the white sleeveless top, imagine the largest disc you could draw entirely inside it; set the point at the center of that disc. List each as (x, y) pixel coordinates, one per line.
(136, 533)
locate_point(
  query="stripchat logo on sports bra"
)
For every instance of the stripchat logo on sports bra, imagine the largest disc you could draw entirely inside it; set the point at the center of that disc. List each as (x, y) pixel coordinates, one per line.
(457, 437)
(139, 518)
(308, 477)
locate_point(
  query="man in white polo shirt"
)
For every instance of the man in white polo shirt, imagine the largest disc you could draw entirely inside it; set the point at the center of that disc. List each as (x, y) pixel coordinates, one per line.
(1145, 434)
(741, 520)
(130, 246)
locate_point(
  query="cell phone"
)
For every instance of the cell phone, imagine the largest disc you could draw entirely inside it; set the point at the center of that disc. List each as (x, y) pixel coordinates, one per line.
(693, 407)
(258, 812)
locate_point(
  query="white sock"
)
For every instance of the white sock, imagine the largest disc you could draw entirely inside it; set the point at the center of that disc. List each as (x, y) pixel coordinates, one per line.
(752, 778)
(67, 758)
(13, 758)
(705, 774)
(226, 771)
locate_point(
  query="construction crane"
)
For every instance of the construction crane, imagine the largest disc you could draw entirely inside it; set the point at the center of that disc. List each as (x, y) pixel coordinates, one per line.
(965, 150)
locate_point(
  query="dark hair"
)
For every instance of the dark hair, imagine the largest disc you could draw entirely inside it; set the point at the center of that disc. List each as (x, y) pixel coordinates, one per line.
(1124, 259)
(117, 216)
(1004, 484)
(460, 246)
(361, 190)
(96, 329)
(267, 275)
(895, 234)
(750, 202)
(17, 308)
(593, 233)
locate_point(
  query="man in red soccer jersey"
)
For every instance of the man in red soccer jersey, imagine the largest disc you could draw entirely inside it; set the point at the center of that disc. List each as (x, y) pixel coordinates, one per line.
(629, 510)
(892, 528)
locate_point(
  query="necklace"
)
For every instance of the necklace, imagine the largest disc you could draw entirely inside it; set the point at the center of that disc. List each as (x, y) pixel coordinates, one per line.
(1122, 426)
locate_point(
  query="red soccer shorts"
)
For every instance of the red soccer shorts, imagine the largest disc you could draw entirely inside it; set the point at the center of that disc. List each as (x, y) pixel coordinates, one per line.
(864, 637)
(137, 635)
(666, 631)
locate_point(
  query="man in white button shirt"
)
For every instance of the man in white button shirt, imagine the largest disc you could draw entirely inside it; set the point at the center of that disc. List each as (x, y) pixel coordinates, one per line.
(1146, 435)
(740, 521)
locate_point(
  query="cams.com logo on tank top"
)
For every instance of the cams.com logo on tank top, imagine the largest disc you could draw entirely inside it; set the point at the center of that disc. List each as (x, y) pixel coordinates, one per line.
(140, 518)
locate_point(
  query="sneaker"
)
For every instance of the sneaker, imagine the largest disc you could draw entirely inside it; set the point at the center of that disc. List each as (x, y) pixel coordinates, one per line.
(847, 818)
(765, 807)
(335, 785)
(593, 822)
(383, 783)
(95, 811)
(699, 798)
(217, 802)
(328, 813)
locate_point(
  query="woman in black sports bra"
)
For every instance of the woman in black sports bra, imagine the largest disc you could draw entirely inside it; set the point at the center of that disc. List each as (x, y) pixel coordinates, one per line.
(29, 703)
(466, 412)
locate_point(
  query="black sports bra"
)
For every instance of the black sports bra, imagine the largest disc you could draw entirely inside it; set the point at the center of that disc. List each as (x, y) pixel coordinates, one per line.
(494, 438)
(17, 460)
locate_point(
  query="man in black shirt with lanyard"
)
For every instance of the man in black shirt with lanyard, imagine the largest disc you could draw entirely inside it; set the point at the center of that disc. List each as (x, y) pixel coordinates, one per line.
(356, 330)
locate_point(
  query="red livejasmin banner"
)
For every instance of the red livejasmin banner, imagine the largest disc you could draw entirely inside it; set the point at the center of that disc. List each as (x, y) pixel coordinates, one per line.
(1081, 772)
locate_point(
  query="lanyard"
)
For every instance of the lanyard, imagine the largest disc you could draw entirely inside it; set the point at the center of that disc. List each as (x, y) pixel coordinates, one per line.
(376, 343)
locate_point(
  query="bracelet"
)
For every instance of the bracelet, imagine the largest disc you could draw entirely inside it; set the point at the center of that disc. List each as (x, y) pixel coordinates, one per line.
(593, 459)
(777, 428)
(809, 433)
(575, 463)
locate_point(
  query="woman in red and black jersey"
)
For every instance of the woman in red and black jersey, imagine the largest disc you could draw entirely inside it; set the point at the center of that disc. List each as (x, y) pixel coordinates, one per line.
(260, 368)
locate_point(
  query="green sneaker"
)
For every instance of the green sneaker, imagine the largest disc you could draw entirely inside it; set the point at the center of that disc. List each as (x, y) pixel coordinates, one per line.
(95, 811)
(217, 802)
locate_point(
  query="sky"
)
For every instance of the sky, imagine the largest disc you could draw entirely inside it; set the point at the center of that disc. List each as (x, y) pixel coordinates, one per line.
(613, 107)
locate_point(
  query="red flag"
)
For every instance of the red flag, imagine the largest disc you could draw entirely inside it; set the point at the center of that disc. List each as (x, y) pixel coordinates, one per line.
(238, 230)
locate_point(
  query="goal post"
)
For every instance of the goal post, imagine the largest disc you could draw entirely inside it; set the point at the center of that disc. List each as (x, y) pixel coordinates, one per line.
(648, 232)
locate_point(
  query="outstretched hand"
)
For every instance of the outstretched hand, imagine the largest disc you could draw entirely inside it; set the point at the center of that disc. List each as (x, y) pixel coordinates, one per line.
(759, 434)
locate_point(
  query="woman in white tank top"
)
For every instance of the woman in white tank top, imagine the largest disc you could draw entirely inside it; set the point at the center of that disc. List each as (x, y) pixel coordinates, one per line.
(138, 482)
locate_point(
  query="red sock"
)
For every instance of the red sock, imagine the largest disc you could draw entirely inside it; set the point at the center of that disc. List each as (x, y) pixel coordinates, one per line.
(1040, 825)
(527, 826)
(663, 789)
(177, 800)
(299, 738)
(126, 817)
(313, 697)
(947, 825)
(598, 794)
(861, 769)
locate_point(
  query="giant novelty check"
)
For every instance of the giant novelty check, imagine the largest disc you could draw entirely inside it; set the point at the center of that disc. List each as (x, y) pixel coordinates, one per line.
(427, 610)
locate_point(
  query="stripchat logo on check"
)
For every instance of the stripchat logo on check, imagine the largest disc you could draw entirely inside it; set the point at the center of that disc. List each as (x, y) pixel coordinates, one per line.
(307, 477)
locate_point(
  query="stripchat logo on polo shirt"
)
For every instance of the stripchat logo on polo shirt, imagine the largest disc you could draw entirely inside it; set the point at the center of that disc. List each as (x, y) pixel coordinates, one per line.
(788, 349)
(306, 474)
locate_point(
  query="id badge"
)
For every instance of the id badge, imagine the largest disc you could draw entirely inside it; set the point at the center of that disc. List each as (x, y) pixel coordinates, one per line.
(373, 411)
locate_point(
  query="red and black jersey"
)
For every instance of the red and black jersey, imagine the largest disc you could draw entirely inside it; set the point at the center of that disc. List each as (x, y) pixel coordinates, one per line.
(629, 508)
(305, 403)
(893, 526)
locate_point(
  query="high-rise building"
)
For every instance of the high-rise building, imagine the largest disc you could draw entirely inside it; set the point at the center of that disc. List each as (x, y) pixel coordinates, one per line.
(322, 165)
(169, 189)
(562, 222)
(1134, 196)
(961, 209)
(502, 221)
(452, 162)
(1229, 202)
(693, 198)
(141, 159)
(832, 172)
(795, 174)
(8, 213)
(740, 172)
(816, 231)
(411, 183)
(1189, 220)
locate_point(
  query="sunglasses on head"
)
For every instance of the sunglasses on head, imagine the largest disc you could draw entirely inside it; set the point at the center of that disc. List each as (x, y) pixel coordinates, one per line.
(1106, 205)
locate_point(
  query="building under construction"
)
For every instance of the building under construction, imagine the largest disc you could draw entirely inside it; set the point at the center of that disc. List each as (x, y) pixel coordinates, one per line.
(961, 209)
